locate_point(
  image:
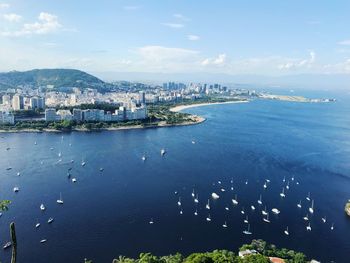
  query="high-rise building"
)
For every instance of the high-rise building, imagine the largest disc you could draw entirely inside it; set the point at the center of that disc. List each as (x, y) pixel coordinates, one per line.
(77, 115)
(17, 102)
(142, 97)
(50, 115)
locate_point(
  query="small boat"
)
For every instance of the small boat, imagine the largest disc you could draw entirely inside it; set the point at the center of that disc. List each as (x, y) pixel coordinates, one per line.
(282, 194)
(196, 200)
(224, 225)
(235, 200)
(7, 245)
(207, 206)
(287, 186)
(308, 197)
(83, 163)
(37, 225)
(264, 212)
(16, 189)
(60, 201)
(332, 227)
(59, 154)
(265, 185)
(267, 180)
(70, 169)
(74, 180)
(18, 174)
(219, 182)
(72, 161)
(252, 207)
(9, 168)
(162, 152)
(192, 194)
(143, 158)
(50, 220)
(101, 169)
(51, 148)
(231, 181)
(299, 204)
(193, 142)
(43, 241)
(293, 178)
(275, 211)
(222, 189)
(267, 218)
(286, 231)
(231, 188)
(308, 227)
(8, 148)
(196, 213)
(246, 182)
(260, 200)
(208, 218)
(151, 221)
(324, 219)
(179, 202)
(242, 211)
(215, 196)
(306, 218)
(246, 220)
(181, 212)
(284, 179)
(311, 209)
(247, 232)
(227, 208)
(42, 207)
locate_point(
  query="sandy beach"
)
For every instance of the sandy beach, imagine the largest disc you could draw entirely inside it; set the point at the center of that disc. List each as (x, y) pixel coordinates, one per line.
(183, 107)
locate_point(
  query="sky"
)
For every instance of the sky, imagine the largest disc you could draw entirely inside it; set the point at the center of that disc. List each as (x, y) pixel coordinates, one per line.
(272, 38)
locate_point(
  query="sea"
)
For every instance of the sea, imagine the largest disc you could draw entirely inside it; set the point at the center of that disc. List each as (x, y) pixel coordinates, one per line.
(123, 205)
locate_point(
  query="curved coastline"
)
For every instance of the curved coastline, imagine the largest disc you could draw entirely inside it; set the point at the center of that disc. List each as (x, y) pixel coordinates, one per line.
(195, 119)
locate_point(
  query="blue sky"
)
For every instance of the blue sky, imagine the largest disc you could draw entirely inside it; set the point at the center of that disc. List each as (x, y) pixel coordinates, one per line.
(178, 36)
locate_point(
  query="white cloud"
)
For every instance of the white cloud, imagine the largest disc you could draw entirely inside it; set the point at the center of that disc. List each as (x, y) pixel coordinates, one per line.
(217, 61)
(131, 7)
(4, 5)
(173, 25)
(181, 17)
(47, 23)
(12, 17)
(344, 42)
(298, 63)
(193, 37)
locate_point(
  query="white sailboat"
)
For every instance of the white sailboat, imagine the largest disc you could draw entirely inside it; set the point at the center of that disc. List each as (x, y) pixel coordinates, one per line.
(42, 207)
(260, 200)
(50, 220)
(37, 224)
(308, 197)
(179, 202)
(308, 227)
(246, 220)
(332, 227)
(60, 201)
(143, 158)
(222, 190)
(192, 193)
(252, 207)
(181, 212)
(286, 231)
(43, 240)
(151, 221)
(311, 209)
(196, 200)
(287, 186)
(208, 218)
(282, 194)
(227, 208)
(207, 206)
(162, 152)
(83, 163)
(275, 211)
(247, 232)
(306, 218)
(284, 179)
(242, 211)
(235, 200)
(224, 225)
(299, 204)
(196, 213)
(215, 196)
(264, 212)
(267, 218)
(265, 185)
(324, 219)
(16, 189)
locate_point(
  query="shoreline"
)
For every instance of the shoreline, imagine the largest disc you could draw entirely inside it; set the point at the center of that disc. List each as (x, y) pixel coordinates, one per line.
(184, 107)
(195, 119)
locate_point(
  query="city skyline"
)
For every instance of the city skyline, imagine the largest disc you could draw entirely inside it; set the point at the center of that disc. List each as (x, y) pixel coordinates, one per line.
(176, 37)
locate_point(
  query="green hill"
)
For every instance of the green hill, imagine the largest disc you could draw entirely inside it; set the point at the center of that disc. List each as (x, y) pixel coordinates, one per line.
(60, 79)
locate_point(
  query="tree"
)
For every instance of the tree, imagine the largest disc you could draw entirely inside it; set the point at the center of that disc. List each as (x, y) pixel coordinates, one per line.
(4, 205)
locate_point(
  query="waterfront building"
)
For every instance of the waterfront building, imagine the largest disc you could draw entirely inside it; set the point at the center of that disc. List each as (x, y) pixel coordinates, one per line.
(7, 117)
(77, 115)
(6, 100)
(64, 115)
(50, 115)
(17, 102)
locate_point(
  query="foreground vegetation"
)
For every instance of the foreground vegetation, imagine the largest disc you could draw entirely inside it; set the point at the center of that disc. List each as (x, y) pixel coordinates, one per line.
(223, 256)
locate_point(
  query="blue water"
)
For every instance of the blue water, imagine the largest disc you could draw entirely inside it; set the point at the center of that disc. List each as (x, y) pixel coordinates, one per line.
(107, 213)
